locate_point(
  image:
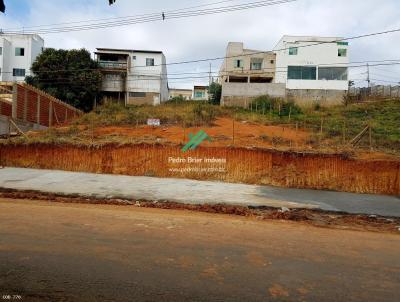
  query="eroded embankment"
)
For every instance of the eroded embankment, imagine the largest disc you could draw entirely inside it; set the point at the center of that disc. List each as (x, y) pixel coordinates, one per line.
(253, 166)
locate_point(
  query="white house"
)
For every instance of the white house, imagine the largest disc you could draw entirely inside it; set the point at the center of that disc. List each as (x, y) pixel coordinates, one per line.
(135, 77)
(17, 53)
(312, 63)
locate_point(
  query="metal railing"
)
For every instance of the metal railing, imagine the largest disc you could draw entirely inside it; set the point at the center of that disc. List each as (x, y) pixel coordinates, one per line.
(113, 65)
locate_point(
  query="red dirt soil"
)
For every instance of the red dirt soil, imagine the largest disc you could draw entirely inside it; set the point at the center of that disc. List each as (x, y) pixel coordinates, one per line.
(246, 134)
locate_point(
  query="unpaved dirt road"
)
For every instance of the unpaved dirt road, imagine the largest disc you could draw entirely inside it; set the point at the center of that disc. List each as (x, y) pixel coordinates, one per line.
(75, 252)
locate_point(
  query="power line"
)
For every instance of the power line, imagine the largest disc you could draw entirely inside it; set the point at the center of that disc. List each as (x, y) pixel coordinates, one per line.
(117, 18)
(182, 13)
(147, 77)
(384, 81)
(272, 69)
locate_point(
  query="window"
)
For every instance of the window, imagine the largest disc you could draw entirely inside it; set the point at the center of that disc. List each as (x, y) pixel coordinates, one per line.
(343, 43)
(133, 57)
(256, 64)
(302, 73)
(342, 52)
(149, 62)
(137, 94)
(19, 51)
(293, 51)
(199, 94)
(332, 73)
(272, 61)
(238, 64)
(1, 51)
(17, 72)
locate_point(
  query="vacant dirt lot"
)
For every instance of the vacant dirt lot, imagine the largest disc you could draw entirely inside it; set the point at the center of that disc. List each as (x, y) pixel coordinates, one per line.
(246, 134)
(69, 252)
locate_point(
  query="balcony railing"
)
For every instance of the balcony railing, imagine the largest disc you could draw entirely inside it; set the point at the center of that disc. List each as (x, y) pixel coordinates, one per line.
(113, 65)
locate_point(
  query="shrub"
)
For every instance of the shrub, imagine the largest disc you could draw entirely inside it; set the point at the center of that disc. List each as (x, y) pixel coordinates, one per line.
(278, 105)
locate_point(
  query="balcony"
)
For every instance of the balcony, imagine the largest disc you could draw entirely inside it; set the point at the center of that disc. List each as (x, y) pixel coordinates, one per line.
(113, 65)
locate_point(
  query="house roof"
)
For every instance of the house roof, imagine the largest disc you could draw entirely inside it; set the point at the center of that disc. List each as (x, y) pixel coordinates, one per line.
(311, 39)
(181, 89)
(129, 50)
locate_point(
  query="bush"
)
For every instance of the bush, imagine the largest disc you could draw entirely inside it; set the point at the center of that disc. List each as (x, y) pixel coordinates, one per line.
(277, 105)
(176, 99)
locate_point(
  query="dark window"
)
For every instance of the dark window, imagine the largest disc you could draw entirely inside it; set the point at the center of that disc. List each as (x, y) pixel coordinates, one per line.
(256, 64)
(19, 51)
(238, 64)
(293, 51)
(302, 73)
(342, 52)
(272, 61)
(1, 51)
(332, 73)
(149, 62)
(137, 94)
(17, 72)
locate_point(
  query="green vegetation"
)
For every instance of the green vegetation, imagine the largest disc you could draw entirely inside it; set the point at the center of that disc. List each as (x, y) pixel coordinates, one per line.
(215, 91)
(328, 126)
(338, 124)
(175, 111)
(69, 75)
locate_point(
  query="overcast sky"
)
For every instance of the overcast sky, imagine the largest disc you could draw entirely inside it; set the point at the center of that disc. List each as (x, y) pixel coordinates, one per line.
(207, 36)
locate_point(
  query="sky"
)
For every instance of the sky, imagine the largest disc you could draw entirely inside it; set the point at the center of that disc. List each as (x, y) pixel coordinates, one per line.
(207, 36)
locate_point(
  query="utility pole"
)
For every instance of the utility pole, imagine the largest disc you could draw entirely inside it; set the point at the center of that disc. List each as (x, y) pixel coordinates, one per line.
(209, 78)
(209, 84)
(368, 78)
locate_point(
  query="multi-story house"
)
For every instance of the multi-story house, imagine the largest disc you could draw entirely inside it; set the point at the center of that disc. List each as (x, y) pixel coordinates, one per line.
(247, 66)
(247, 73)
(135, 77)
(17, 53)
(313, 68)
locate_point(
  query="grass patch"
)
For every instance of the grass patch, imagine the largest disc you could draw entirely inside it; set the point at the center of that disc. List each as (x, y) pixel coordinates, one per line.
(186, 113)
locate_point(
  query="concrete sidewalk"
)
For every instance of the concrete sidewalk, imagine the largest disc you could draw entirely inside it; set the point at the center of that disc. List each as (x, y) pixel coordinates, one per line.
(193, 192)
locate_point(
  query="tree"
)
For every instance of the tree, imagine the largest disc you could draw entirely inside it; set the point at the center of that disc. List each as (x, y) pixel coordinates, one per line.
(215, 91)
(70, 75)
(2, 6)
(111, 2)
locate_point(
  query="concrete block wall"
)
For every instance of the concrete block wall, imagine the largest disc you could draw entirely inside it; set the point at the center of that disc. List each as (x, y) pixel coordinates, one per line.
(305, 97)
(241, 94)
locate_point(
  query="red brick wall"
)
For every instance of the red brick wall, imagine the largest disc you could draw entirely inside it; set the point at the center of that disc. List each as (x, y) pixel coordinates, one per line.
(20, 102)
(60, 114)
(31, 112)
(44, 111)
(5, 108)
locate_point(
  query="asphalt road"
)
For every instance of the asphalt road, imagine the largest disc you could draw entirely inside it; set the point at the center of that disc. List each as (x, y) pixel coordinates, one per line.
(70, 252)
(194, 192)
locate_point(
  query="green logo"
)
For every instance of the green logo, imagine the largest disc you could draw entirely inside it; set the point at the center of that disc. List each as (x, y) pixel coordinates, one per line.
(196, 140)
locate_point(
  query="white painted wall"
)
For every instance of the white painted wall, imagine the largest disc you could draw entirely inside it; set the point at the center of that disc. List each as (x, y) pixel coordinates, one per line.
(33, 45)
(316, 55)
(142, 78)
